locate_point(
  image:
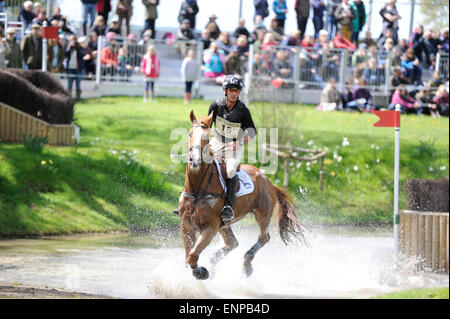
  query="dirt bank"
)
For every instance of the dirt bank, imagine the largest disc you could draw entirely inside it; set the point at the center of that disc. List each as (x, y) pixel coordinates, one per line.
(19, 291)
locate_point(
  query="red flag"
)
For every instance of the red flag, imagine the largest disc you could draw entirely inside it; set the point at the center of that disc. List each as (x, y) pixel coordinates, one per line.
(387, 118)
(50, 33)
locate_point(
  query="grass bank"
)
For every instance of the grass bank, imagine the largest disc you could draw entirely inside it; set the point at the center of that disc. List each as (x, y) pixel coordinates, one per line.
(435, 293)
(121, 175)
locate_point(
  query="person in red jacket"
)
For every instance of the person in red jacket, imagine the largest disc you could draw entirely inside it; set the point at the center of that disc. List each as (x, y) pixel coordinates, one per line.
(150, 68)
(103, 9)
(341, 42)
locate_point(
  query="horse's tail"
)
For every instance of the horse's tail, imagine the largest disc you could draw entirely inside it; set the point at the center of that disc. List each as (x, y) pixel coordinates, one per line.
(288, 224)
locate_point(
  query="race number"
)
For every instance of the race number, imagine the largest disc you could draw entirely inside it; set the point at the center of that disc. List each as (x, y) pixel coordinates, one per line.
(227, 128)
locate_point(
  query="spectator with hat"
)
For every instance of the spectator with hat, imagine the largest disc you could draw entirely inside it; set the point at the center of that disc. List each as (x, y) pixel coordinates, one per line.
(213, 27)
(114, 26)
(108, 55)
(151, 14)
(14, 58)
(185, 32)
(32, 48)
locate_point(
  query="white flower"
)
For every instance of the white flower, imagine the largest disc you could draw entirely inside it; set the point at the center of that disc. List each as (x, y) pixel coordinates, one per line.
(123, 152)
(442, 168)
(291, 164)
(345, 142)
(367, 165)
(299, 164)
(430, 169)
(135, 151)
(378, 160)
(302, 190)
(339, 158)
(310, 142)
(97, 138)
(121, 157)
(114, 152)
(372, 146)
(91, 142)
(128, 162)
(377, 148)
(355, 168)
(308, 168)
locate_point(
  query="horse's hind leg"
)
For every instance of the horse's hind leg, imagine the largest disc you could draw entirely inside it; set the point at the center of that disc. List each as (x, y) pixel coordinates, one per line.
(230, 243)
(263, 220)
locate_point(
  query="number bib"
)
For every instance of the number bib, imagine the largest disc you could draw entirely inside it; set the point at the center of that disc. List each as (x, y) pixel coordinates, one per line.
(226, 128)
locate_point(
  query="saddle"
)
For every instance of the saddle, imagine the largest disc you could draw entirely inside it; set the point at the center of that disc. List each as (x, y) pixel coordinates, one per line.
(223, 172)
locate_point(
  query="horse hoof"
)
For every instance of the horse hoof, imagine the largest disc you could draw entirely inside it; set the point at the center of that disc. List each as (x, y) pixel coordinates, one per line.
(200, 273)
(248, 270)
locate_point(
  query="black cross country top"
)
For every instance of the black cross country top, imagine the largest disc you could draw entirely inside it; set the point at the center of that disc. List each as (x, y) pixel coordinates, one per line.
(231, 125)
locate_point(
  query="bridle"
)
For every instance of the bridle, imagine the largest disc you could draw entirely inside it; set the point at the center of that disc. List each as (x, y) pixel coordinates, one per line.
(196, 193)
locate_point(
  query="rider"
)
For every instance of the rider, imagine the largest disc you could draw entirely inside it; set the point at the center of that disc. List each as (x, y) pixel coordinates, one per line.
(234, 127)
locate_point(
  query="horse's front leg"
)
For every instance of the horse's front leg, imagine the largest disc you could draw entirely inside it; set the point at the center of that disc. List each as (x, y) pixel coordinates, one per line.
(230, 243)
(206, 235)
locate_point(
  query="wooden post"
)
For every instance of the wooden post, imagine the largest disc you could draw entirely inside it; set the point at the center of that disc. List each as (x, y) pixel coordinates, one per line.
(435, 244)
(421, 241)
(322, 167)
(428, 240)
(408, 234)
(442, 242)
(286, 173)
(414, 234)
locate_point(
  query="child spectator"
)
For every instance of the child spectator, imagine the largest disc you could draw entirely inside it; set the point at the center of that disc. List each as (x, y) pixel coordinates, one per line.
(441, 99)
(330, 97)
(150, 67)
(124, 68)
(411, 68)
(342, 42)
(426, 104)
(372, 74)
(189, 74)
(99, 26)
(408, 104)
(108, 55)
(362, 97)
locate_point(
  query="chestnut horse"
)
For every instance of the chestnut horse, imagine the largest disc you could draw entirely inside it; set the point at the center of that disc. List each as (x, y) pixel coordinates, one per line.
(202, 200)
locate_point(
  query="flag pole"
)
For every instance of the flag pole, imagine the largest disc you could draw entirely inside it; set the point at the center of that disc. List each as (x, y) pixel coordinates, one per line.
(396, 179)
(44, 47)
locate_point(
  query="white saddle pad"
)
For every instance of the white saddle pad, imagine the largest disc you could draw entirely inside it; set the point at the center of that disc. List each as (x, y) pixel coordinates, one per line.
(246, 183)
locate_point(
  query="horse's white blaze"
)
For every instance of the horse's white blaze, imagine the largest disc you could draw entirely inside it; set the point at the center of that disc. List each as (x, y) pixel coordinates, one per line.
(196, 152)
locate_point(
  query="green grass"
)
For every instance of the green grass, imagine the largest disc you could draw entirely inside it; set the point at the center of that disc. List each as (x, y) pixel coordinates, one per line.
(435, 293)
(121, 176)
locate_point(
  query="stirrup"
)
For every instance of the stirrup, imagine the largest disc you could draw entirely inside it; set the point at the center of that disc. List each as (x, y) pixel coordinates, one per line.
(176, 211)
(227, 213)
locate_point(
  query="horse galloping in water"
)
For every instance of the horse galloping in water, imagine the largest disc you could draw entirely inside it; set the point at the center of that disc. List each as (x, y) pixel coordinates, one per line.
(202, 200)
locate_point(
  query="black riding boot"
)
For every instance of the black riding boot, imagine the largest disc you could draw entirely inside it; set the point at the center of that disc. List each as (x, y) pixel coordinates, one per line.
(227, 211)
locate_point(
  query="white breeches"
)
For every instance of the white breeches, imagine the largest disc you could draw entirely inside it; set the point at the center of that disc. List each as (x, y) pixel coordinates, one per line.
(232, 158)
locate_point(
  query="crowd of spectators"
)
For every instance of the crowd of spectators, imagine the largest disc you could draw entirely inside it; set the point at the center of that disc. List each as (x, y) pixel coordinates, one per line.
(338, 27)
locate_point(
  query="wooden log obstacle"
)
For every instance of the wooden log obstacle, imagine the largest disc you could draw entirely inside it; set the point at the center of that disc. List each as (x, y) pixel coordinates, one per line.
(289, 153)
(15, 123)
(424, 236)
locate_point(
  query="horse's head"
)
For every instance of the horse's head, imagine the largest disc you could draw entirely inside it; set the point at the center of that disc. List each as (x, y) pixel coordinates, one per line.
(198, 138)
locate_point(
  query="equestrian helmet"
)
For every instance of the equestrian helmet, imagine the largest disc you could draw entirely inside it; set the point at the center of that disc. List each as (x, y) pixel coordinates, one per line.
(233, 81)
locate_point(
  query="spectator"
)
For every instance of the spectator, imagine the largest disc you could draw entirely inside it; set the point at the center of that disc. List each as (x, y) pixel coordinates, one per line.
(388, 34)
(188, 10)
(359, 60)
(103, 9)
(241, 29)
(114, 26)
(32, 48)
(74, 65)
(268, 42)
(261, 9)
(294, 39)
(146, 37)
(302, 11)
(308, 70)
(214, 59)
(323, 39)
(331, 19)
(307, 42)
(224, 42)
(411, 68)
(330, 98)
(189, 70)
(151, 14)
(124, 10)
(408, 104)
(26, 15)
(233, 64)
(441, 99)
(41, 18)
(347, 97)
(37, 7)
(436, 80)
(362, 97)
(429, 47)
(90, 58)
(331, 63)
(61, 20)
(396, 58)
(341, 42)
(373, 74)
(206, 39)
(55, 57)
(398, 78)
(385, 53)
(344, 15)
(14, 58)
(390, 17)
(185, 32)
(426, 104)
(368, 39)
(276, 31)
(89, 7)
(259, 39)
(318, 9)
(99, 26)
(402, 45)
(416, 41)
(4, 51)
(124, 67)
(213, 28)
(282, 69)
(360, 19)
(280, 9)
(443, 38)
(108, 55)
(150, 67)
(242, 46)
